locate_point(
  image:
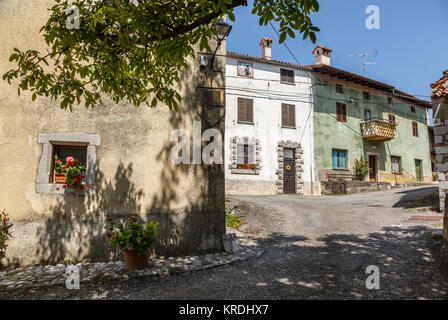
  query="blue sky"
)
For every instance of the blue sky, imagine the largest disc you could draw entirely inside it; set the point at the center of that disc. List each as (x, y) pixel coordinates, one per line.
(411, 43)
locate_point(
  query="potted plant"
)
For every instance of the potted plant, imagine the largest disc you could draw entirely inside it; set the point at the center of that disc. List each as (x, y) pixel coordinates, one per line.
(71, 173)
(134, 239)
(246, 166)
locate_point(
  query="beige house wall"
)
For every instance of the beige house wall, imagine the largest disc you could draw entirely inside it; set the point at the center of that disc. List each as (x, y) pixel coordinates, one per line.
(134, 176)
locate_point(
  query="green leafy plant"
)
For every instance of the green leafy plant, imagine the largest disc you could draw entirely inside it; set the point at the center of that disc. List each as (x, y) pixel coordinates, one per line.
(233, 221)
(361, 168)
(4, 231)
(131, 236)
(67, 261)
(135, 50)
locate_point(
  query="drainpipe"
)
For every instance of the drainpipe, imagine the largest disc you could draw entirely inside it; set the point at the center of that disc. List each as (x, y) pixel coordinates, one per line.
(311, 138)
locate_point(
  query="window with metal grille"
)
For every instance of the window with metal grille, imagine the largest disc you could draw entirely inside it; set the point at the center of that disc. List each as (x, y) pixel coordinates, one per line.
(366, 115)
(245, 110)
(366, 95)
(339, 88)
(288, 115)
(339, 159)
(414, 129)
(341, 112)
(287, 75)
(413, 109)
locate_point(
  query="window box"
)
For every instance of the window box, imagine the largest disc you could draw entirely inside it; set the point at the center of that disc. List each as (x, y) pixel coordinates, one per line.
(59, 178)
(247, 166)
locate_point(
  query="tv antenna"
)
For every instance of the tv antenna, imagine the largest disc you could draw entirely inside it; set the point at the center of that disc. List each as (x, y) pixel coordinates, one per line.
(364, 55)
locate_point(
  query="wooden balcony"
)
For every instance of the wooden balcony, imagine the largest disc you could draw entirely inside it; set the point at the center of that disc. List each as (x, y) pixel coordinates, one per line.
(378, 130)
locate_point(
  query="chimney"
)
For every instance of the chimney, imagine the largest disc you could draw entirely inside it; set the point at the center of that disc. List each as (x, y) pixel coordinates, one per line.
(322, 55)
(266, 45)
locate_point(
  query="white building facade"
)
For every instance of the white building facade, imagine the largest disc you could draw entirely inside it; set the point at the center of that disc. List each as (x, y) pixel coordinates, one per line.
(269, 126)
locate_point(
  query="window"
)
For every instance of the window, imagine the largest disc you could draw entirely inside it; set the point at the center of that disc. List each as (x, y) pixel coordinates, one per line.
(245, 154)
(288, 153)
(366, 95)
(64, 151)
(339, 88)
(288, 115)
(396, 167)
(245, 110)
(391, 118)
(366, 114)
(414, 129)
(341, 112)
(339, 159)
(413, 109)
(390, 100)
(287, 75)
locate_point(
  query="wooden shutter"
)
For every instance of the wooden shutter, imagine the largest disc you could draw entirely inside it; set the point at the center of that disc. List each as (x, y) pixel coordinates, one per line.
(288, 115)
(251, 154)
(391, 118)
(240, 154)
(414, 129)
(245, 110)
(341, 112)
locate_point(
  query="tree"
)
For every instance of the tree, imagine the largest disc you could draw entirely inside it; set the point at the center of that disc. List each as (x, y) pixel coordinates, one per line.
(134, 49)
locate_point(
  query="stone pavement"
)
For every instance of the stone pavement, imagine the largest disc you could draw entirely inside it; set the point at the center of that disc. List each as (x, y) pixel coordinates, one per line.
(39, 276)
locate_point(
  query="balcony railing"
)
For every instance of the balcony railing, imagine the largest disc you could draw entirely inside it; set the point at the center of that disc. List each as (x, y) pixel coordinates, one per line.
(378, 130)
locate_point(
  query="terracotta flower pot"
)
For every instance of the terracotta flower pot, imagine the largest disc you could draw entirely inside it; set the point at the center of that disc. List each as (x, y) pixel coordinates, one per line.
(59, 178)
(133, 261)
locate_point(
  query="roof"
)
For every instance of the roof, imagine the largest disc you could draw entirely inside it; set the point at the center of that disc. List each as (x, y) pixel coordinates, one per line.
(324, 49)
(440, 88)
(371, 83)
(339, 73)
(271, 61)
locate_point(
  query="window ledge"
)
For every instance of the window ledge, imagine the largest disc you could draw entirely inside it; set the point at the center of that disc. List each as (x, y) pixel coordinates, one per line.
(245, 171)
(337, 169)
(289, 83)
(288, 127)
(245, 122)
(56, 188)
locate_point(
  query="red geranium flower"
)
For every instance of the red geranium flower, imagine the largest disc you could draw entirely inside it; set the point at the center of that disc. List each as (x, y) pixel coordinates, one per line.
(88, 186)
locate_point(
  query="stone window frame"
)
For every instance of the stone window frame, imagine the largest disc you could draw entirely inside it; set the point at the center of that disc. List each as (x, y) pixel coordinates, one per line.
(234, 141)
(298, 152)
(48, 139)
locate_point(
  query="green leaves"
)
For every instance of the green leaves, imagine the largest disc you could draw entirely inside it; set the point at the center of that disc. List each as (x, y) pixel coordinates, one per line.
(135, 52)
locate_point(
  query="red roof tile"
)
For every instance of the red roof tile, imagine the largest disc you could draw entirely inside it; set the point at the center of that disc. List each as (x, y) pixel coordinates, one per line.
(440, 88)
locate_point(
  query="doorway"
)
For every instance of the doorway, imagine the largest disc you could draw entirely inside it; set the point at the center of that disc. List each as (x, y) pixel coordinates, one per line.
(373, 167)
(418, 169)
(289, 171)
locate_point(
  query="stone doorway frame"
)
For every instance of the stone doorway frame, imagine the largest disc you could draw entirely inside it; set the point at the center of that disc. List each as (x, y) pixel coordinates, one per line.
(298, 152)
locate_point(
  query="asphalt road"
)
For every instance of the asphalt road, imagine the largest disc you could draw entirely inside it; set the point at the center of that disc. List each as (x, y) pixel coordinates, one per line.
(316, 248)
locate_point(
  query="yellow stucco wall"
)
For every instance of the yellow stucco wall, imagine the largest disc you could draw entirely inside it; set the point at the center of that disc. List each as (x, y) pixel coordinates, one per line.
(135, 174)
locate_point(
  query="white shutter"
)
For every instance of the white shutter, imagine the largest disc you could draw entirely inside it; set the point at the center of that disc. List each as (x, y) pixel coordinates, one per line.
(251, 155)
(240, 154)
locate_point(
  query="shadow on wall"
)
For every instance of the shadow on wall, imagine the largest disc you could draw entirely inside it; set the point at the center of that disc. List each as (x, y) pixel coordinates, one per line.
(76, 228)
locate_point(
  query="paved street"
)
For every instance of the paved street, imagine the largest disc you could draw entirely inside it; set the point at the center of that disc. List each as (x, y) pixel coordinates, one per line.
(316, 248)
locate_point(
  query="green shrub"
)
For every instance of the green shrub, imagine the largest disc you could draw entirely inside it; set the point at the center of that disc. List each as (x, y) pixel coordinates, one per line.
(361, 168)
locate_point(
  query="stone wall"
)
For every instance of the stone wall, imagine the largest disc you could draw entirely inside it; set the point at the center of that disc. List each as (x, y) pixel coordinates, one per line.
(439, 97)
(349, 187)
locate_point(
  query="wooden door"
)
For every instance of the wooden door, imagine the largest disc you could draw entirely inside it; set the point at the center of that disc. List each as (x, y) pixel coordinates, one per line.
(289, 172)
(418, 170)
(372, 167)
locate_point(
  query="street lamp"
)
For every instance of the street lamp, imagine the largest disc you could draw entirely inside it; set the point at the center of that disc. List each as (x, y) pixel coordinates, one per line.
(223, 28)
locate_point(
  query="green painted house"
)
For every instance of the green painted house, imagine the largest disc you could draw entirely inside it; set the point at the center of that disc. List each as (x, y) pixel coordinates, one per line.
(356, 117)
